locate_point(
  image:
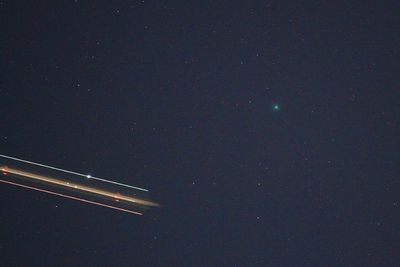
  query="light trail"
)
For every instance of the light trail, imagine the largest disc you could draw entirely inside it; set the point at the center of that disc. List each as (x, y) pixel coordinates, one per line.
(78, 187)
(71, 197)
(72, 172)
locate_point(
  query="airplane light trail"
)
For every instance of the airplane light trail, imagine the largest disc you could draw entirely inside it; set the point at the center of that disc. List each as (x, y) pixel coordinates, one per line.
(78, 187)
(67, 184)
(71, 172)
(71, 197)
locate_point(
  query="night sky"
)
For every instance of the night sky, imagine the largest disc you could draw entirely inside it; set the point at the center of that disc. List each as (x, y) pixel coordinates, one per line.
(267, 130)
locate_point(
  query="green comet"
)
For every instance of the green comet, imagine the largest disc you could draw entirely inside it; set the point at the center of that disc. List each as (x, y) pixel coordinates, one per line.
(276, 107)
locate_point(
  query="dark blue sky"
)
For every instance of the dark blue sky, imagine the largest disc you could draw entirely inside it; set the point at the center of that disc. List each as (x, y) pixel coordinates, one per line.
(179, 98)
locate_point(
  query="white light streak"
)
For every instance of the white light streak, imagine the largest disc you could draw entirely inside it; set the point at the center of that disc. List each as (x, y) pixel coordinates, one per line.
(71, 172)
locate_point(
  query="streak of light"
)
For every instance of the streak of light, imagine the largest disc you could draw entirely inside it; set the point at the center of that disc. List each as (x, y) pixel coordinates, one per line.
(75, 173)
(75, 186)
(71, 197)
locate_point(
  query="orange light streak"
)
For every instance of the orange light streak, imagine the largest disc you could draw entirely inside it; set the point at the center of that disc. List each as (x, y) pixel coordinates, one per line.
(71, 197)
(75, 186)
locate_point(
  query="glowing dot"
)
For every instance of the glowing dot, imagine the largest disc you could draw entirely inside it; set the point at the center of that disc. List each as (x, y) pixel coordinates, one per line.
(88, 176)
(276, 107)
